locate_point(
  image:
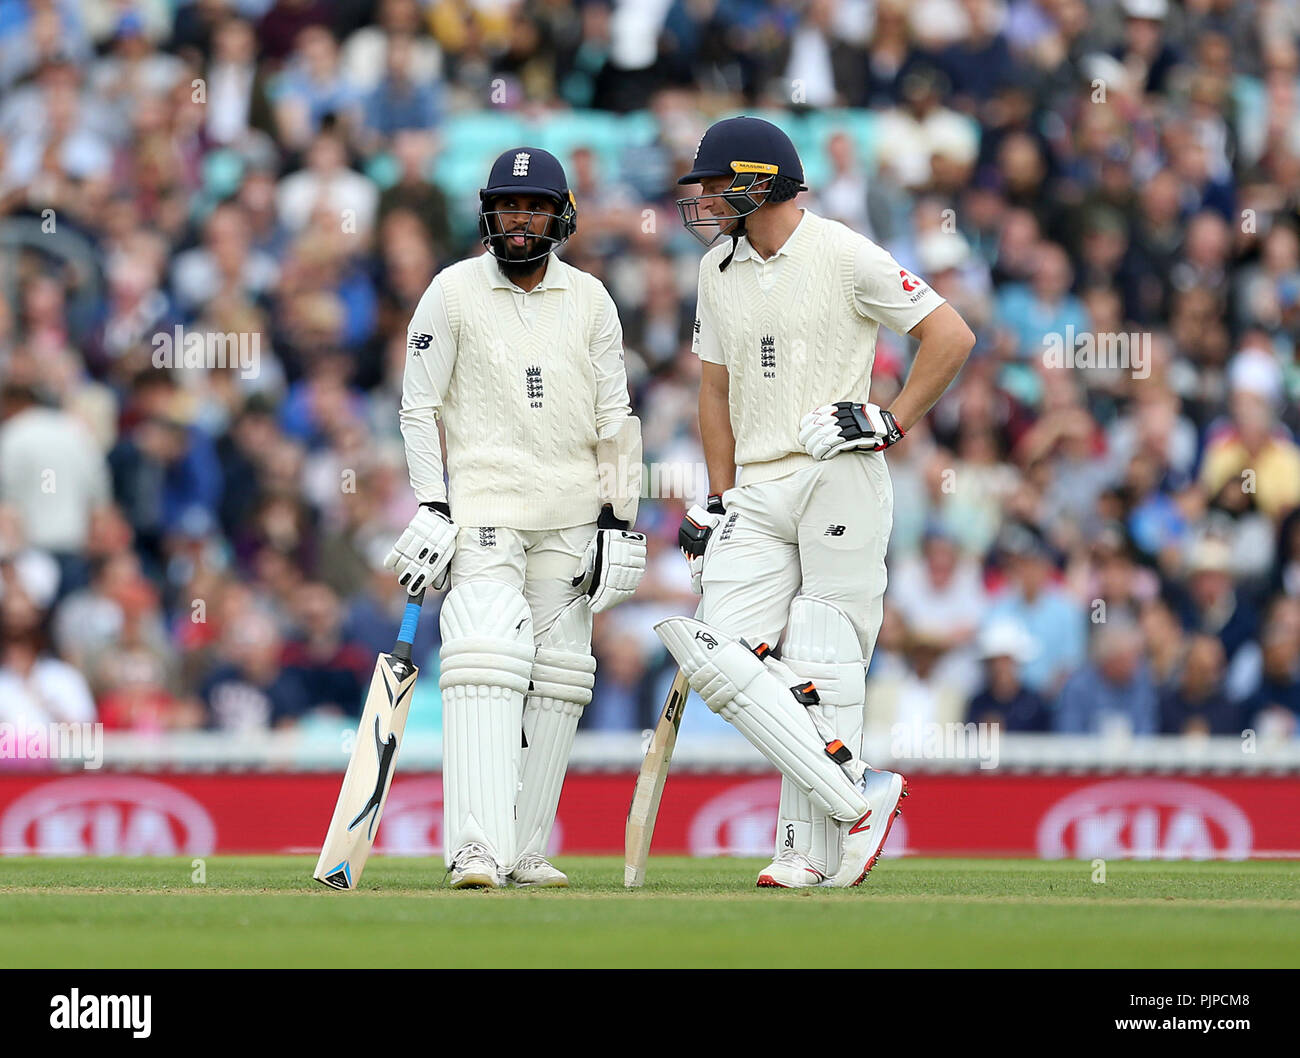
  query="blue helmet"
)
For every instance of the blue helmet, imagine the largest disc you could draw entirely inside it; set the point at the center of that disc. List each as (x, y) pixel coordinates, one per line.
(752, 152)
(527, 171)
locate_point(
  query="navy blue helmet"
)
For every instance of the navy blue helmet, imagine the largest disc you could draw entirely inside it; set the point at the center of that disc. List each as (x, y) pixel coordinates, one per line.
(526, 171)
(752, 153)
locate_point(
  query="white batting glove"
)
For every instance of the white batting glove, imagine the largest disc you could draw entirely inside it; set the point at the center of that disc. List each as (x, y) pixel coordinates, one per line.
(611, 568)
(833, 428)
(421, 558)
(693, 537)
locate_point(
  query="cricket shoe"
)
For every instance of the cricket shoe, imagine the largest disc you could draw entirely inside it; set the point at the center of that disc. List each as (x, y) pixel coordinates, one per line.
(474, 868)
(536, 872)
(863, 839)
(790, 870)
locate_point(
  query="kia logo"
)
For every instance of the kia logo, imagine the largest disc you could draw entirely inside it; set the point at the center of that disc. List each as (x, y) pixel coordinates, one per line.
(1145, 819)
(741, 821)
(106, 815)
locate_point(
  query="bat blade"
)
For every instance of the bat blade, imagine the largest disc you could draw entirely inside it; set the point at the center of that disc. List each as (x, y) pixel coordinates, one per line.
(361, 800)
(650, 784)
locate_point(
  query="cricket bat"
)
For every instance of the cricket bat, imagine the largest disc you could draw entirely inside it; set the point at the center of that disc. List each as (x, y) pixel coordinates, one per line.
(374, 756)
(650, 784)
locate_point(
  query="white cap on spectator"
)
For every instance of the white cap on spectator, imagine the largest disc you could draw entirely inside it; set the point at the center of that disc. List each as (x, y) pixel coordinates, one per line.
(1254, 370)
(37, 575)
(942, 250)
(1209, 555)
(1156, 10)
(1006, 638)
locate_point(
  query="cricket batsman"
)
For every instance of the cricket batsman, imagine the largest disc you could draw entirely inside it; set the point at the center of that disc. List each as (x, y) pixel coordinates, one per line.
(793, 537)
(521, 356)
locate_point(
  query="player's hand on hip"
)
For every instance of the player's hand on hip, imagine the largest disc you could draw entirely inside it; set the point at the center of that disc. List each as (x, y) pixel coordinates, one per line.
(421, 558)
(611, 568)
(833, 428)
(693, 537)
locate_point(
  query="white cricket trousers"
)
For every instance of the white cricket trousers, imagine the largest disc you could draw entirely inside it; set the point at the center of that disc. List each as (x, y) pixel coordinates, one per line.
(820, 531)
(539, 563)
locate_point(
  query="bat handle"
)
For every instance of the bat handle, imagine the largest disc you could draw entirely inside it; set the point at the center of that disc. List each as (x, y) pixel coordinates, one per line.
(410, 622)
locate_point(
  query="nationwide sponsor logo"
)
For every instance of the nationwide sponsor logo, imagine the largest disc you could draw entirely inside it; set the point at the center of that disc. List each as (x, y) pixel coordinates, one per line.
(106, 815)
(742, 820)
(1145, 819)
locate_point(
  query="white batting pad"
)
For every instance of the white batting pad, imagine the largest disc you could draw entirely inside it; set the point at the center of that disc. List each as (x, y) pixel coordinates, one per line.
(563, 675)
(821, 645)
(487, 655)
(743, 690)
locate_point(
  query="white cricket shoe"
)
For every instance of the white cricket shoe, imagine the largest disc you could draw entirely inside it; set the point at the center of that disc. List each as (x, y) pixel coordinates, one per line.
(536, 871)
(862, 840)
(790, 870)
(473, 867)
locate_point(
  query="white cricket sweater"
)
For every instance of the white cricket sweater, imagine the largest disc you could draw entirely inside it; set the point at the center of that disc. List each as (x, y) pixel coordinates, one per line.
(804, 337)
(525, 383)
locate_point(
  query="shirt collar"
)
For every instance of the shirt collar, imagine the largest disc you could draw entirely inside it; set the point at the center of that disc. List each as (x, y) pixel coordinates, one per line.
(556, 277)
(744, 251)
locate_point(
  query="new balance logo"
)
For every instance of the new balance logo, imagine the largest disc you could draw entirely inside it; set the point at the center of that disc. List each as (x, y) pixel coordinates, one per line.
(418, 342)
(521, 164)
(834, 530)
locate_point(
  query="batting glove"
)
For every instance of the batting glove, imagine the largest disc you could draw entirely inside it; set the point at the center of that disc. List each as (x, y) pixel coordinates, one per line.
(421, 558)
(613, 565)
(832, 428)
(693, 537)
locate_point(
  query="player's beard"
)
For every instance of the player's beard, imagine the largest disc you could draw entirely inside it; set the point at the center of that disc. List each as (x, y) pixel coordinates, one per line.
(512, 260)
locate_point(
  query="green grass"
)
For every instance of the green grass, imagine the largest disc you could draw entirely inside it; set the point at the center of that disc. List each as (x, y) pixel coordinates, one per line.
(266, 911)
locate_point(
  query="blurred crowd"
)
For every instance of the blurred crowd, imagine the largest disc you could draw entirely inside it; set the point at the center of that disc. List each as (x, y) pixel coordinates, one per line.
(1086, 545)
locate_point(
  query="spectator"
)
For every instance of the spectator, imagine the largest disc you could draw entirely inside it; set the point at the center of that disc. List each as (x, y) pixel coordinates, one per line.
(53, 476)
(1055, 622)
(1197, 704)
(1002, 699)
(1113, 693)
(332, 671)
(35, 687)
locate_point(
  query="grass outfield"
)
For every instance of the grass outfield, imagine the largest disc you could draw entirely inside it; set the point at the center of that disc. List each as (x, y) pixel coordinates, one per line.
(266, 911)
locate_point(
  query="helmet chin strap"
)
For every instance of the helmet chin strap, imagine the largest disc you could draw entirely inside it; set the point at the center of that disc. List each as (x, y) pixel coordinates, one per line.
(736, 233)
(740, 229)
